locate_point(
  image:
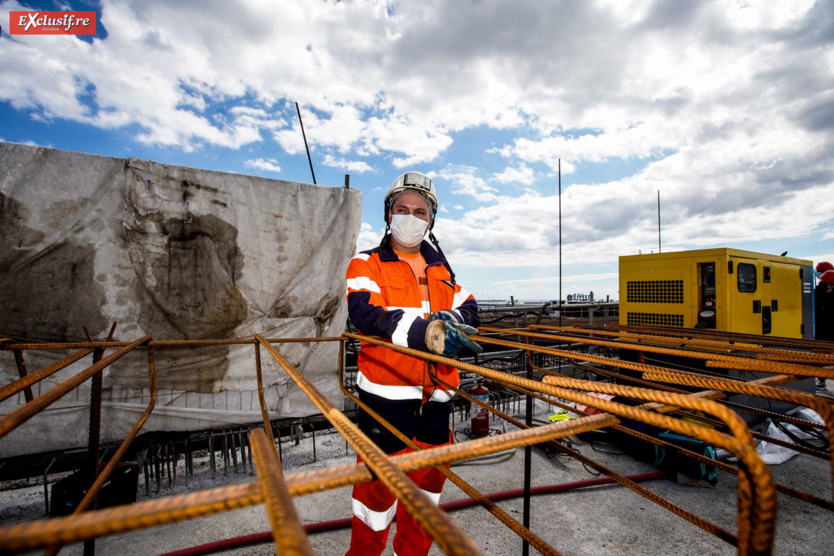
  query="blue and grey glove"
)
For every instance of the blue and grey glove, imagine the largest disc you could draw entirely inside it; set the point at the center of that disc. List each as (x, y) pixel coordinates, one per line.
(444, 315)
(447, 338)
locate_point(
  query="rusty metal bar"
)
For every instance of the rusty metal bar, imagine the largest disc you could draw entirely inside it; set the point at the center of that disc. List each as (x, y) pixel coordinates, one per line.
(26, 412)
(434, 521)
(164, 343)
(824, 408)
(727, 360)
(816, 346)
(94, 436)
(104, 476)
(626, 482)
(262, 399)
(756, 494)
(764, 352)
(473, 493)
(287, 530)
(21, 372)
(27, 380)
(140, 515)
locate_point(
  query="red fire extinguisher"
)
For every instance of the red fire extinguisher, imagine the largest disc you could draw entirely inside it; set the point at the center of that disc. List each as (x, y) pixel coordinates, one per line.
(480, 416)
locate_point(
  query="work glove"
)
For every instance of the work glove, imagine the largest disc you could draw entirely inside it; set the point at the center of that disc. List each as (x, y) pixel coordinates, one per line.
(444, 315)
(447, 338)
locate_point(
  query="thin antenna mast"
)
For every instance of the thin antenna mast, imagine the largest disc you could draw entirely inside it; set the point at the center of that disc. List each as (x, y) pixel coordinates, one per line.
(658, 221)
(310, 160)
(560, 243)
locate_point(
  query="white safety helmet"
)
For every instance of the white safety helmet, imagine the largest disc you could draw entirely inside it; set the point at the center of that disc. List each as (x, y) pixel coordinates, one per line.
(412, 182)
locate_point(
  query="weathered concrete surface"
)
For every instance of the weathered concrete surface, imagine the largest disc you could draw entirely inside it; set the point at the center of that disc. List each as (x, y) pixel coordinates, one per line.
(177, 253)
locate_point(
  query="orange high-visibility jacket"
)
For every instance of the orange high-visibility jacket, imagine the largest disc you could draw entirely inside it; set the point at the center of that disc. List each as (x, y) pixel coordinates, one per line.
(384, 300)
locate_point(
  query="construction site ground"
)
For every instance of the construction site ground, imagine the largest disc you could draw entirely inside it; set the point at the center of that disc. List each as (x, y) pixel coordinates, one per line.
(600, 520)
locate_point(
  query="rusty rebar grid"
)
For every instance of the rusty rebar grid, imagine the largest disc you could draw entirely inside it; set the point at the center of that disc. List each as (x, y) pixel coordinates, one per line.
(644, 368)
(356, 473)
(617, 477)
(444, 531)
(813, 345)
(161, 511)
(26, 412)
(756, 493)
(513, 524)
(824, 408)
(762, 352)
(768, 381)
(725, 360)
(104, 476)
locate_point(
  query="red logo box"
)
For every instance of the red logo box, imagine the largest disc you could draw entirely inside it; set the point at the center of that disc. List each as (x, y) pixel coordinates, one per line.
(52, 23)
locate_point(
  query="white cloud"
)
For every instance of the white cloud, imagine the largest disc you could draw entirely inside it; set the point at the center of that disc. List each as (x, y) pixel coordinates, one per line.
(523, 175)
(466, 182)
(357, 166)
(270, 164)
(368, 238)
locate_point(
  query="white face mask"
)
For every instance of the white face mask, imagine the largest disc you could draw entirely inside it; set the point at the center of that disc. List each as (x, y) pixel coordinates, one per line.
(408, 230)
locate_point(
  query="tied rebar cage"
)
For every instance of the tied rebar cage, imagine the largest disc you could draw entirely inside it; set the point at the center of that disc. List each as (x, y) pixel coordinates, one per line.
(654, 388)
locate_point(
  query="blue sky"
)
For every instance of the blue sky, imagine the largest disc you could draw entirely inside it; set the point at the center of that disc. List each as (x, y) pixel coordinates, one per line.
(726, 107)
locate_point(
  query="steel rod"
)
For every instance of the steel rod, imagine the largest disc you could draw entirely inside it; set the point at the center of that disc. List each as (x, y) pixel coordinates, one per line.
(447, 534)
(287, 530)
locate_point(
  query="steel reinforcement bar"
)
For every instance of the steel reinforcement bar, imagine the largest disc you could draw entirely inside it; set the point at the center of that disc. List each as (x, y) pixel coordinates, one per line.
(763, 352)
(150, 513)
(104, 476)
(522, 531)
(27, 411)
(726, 360)
(813, 345)
(756, 493)
(287, 530)
(617, 477)
(447, 534)
(642, 367)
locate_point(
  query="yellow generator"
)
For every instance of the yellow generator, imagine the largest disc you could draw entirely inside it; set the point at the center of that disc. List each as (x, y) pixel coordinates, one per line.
(728, 290)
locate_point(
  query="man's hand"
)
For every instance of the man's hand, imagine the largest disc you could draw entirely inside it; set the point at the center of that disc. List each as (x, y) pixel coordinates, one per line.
(447, 338)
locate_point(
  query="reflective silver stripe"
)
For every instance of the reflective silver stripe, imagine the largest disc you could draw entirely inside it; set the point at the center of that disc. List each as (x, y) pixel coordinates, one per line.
(442, 396)
(363, 283)
(426, 308)
(389, 392)
(435, 496)
(400, 335)
(377, 521)
(460, 297)
(361, 257)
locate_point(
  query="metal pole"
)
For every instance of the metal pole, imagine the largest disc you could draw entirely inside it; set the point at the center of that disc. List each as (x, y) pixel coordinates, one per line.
(310, 160)
(658, 221)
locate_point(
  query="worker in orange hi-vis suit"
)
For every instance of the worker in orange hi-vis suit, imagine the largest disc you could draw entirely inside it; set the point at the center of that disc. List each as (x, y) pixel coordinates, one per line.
(404, 290)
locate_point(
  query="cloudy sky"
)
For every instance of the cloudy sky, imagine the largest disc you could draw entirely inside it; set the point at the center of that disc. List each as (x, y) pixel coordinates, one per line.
(723, 108)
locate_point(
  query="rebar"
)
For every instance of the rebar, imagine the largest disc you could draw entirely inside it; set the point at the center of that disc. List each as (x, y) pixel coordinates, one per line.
(434, 521)
(489, 505)
(26, 412)
(287, 530)
(756, 494)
